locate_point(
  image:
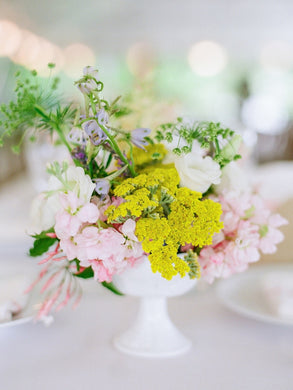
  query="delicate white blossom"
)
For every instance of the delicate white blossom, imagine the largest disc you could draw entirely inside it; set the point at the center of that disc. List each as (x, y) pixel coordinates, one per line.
(46, 205)
(196, 172)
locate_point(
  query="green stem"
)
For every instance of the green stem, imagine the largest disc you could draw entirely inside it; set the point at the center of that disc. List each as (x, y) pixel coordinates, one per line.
(131, 152)
(55, 126)
(87, 106)
(217, 146)
(91, 168)
(62, 137)
(117, 150)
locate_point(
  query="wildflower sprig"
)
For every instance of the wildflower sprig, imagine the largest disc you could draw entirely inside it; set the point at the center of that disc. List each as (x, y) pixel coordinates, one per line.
(220, 143)
(37, 107)
(86, 131)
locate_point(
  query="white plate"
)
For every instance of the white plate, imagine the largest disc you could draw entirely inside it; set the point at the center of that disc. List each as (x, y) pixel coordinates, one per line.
(25, 316)
(243, 293)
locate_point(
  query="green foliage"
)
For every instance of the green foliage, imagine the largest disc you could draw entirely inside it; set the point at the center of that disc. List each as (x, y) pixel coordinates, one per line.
(41, 244)
(211, 136)
(86, 273)
(191, 260)
(36, 107)
(110, 286)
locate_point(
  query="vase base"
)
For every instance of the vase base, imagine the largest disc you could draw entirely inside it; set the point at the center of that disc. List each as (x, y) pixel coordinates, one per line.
(152, 350)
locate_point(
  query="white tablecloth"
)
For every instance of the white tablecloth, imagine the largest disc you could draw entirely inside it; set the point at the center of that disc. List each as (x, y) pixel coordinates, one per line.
(229, 351)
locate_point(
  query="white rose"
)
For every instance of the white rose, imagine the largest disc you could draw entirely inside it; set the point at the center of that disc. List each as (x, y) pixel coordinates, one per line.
(46, 205)
(196, 172)
(233, 179)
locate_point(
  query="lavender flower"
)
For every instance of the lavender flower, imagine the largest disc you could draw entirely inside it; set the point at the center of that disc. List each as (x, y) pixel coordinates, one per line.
(102, 186)
(138, 137)
(103, 117)
(93, 130)
(89, 81)
(77, 136)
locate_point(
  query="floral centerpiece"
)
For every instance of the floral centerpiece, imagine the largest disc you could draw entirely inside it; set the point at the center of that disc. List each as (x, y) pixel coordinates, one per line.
(175, 195)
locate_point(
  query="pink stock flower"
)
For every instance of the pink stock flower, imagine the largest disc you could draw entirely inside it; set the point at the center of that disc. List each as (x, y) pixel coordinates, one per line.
(273, 236)
(249, 227)
(232, 254)
(73, 214)
(101, 273)
(93, 244)
(268, 224)
(107, 251)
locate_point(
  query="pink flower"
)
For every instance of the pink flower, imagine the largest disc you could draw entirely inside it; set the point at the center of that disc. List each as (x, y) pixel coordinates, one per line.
(107, 251)
(268, 224)
(249, 227)
(231, 255)
(101, 273)
(69, 248)
(73, 214)
(272, 236)
(102, 248)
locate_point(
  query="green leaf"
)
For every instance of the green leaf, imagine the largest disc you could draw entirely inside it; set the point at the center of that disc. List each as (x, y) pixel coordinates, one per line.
(110, 286)
(41, 245)
(89, 273)
(86, 273)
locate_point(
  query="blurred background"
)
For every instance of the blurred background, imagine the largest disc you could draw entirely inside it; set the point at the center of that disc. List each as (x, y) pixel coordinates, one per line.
(220, 61)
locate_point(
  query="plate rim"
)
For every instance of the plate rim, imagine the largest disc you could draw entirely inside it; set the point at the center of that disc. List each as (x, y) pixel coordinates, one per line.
(235, 306)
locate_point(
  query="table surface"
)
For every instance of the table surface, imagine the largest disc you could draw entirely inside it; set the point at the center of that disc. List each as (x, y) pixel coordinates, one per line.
(76, 351)
(229, 351)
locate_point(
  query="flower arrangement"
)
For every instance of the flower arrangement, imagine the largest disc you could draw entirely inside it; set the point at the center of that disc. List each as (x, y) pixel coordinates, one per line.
(124, 194)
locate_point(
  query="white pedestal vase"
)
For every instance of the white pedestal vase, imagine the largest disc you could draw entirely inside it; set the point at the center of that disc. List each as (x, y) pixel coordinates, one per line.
(152, 334)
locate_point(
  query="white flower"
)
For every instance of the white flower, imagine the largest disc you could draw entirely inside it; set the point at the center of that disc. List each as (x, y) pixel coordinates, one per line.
(73, 179)
(46, 205)
(196, 172)
(233, 179)
(42, 213)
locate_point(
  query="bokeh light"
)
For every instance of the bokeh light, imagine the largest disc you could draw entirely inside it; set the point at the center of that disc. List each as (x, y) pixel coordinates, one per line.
(10, 38)
(140, 59)
(207, 58)
(77, 56)
(265, 114)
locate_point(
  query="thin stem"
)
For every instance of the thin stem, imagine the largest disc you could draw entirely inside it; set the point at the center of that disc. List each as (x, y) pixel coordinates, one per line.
(131, 152)
(62, 137)
(117, 150)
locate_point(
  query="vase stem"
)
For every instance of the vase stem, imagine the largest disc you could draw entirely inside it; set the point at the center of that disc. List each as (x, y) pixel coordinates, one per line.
(152, 334)
(153, 311)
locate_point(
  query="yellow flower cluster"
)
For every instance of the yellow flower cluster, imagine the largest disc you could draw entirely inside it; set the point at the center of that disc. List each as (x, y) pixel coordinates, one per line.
(154, 235)
(192, 220)
(146, 195)
(167, 217)
(136, 204)
(153, 153)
